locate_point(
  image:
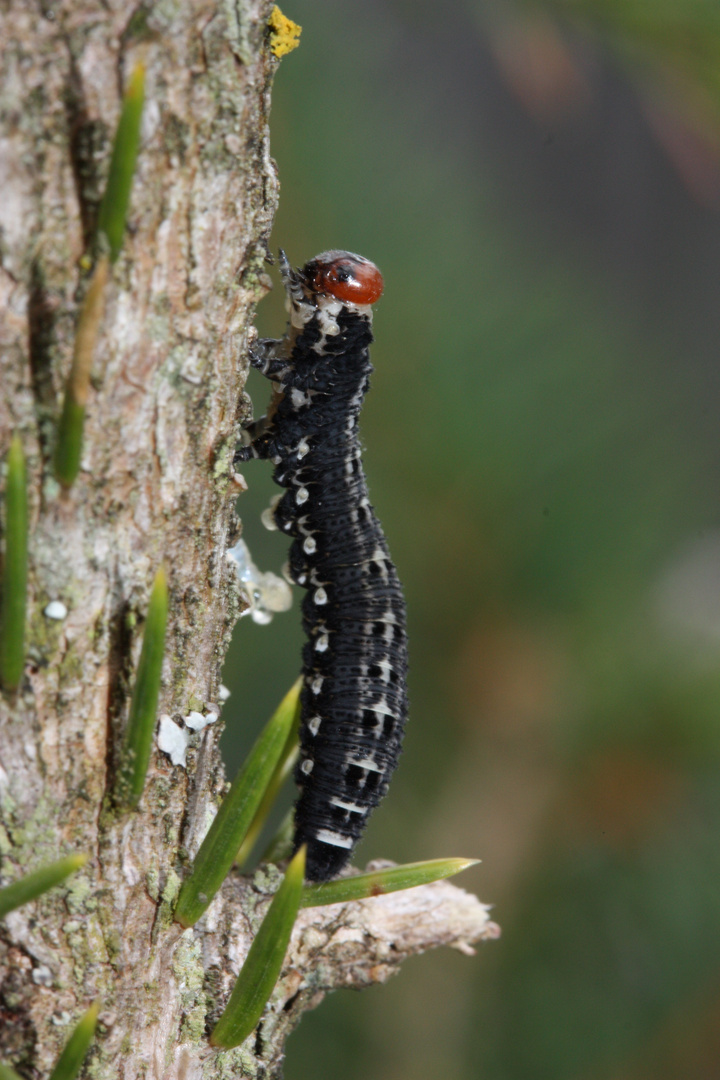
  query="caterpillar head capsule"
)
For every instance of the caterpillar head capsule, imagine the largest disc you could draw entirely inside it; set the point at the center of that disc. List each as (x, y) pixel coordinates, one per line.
(347, 277)
(339, 275)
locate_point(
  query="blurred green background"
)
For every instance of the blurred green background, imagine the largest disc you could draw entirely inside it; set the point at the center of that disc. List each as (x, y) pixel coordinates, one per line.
(539, 185)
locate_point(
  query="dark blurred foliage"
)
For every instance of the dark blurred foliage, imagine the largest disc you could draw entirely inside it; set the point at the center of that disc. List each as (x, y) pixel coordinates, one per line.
(539, 185)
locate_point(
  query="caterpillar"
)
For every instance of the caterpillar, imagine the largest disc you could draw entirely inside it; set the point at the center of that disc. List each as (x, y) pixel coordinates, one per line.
(354, 697)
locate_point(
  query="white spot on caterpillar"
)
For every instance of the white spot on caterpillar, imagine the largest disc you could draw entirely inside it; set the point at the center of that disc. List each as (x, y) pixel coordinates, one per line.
(380, 707)
(387, 668)
(276, 459)
(388, 619)
(314, 725)
(322, 643)
(380, 559)
(301, 496)
(268, 515)
(354, 808)
(309, 545)
(299, 399)
(320, 596)
(327, 311)
(316, 684)
(302, 448)
(327, 836)
(364, 763)
(307, 766)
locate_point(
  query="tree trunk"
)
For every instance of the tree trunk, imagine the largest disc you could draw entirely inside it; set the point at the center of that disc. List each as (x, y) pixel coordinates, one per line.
(156, 487)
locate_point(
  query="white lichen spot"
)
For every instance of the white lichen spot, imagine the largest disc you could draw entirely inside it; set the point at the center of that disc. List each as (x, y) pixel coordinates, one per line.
(173, 740)
(42, 975)
(223, 693)
(55, 610)
(267, 593)
(198, 722)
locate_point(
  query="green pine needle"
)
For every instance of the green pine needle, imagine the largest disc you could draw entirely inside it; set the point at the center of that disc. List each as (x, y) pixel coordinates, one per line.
(392, 879)
(77, 1046)
(14, 571)
(237, 810)
(38, 882)
(113, 209)
(68, 449)
(283, 770)
(143, 707)
(263, 964)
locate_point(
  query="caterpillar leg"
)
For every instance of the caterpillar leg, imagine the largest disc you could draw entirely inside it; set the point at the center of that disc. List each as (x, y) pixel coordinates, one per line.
(258, 444)
(263, 356)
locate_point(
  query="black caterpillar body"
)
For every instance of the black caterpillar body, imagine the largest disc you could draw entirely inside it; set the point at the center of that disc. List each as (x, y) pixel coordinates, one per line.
(354, 700)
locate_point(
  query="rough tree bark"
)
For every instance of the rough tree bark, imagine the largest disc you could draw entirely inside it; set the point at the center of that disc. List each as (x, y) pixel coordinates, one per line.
(156, 487)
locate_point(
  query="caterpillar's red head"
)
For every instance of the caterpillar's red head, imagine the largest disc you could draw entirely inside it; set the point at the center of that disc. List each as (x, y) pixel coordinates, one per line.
(344, 276)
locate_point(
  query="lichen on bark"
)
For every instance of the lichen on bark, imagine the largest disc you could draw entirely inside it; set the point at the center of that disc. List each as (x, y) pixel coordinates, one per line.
(155, 487)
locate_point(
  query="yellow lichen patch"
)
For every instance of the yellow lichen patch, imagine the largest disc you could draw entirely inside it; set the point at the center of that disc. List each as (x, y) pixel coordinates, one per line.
(284, 33)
